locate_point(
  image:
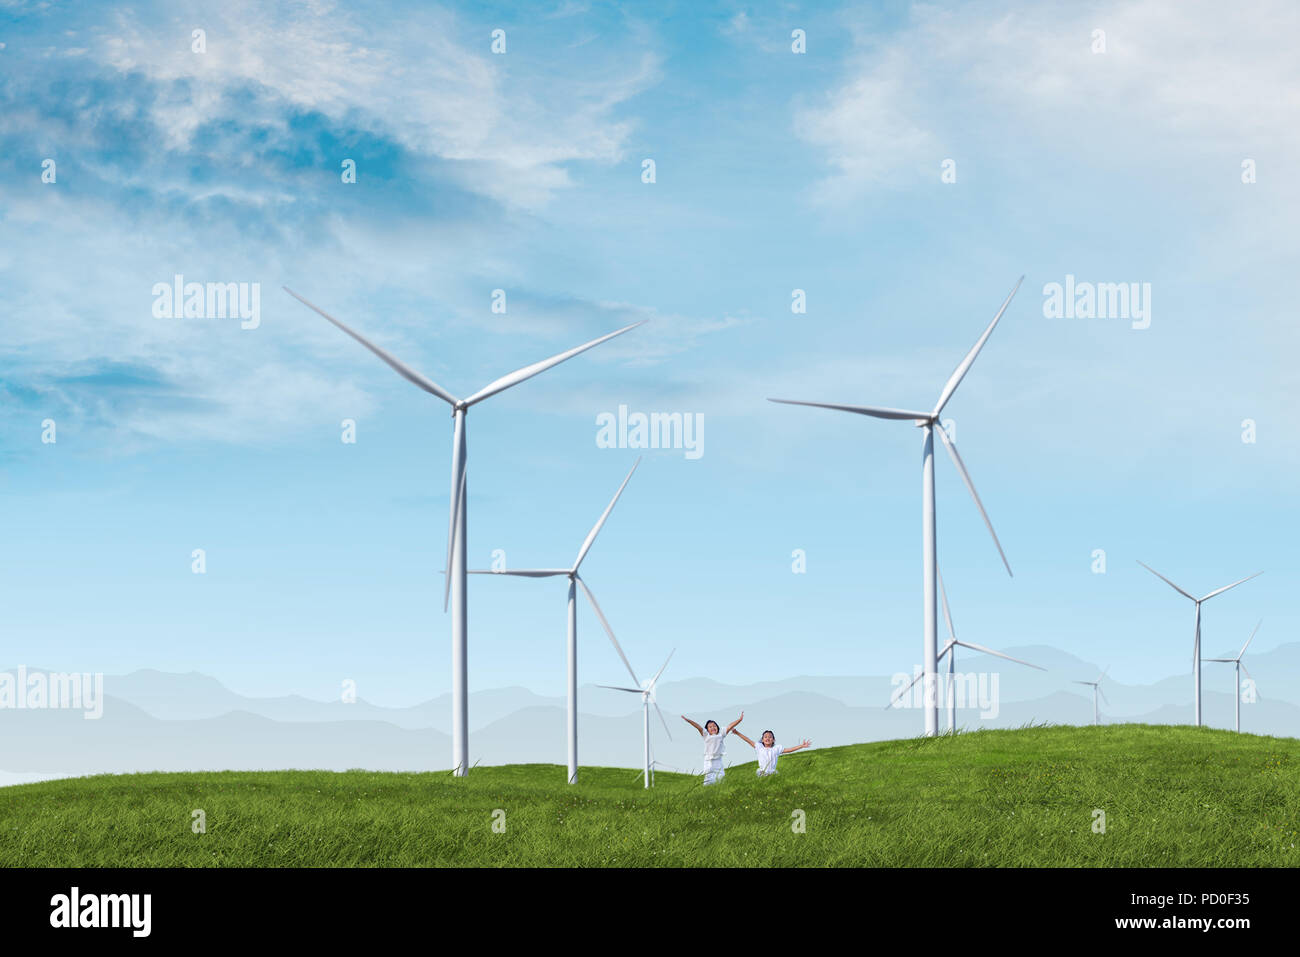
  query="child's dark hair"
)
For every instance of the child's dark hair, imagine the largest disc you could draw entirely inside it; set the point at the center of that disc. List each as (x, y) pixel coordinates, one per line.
(761, 736)
(712, 722)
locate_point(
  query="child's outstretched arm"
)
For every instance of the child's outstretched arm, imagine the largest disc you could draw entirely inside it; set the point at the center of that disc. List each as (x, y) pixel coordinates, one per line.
(741, 735)
(693, 725)
(798, 747)
(732, 727)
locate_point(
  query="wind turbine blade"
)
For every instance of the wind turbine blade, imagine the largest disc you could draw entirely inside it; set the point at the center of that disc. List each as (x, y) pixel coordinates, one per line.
(1250, 639)
(1089, 683)
(1247, 670)
(965, 477)
(608, 630)
(1229, 661)
(661, 670)
(877, 412)
(947, 614)
(457, 496)
(960, 372)
(663, 720)
(523, 572)
(1165, 580)
(990, 651)
(527, 372)
(946, 648)
(405, 371)
(617, 688)
(1220, 591)
(1103, 694)
(898, 697)
(595, 529)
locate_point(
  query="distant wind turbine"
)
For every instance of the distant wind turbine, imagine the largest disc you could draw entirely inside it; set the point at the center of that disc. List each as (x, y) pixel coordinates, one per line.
(1239, 666)
(660, 765)
(647, 693)
(950, 649)
(576, 582)
(927, 422)
(455, 585)
(1196, 643)
(1096, 688)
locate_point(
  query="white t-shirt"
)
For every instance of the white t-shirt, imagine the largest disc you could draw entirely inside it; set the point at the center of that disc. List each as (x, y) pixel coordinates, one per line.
(715, 746)
(767, 757)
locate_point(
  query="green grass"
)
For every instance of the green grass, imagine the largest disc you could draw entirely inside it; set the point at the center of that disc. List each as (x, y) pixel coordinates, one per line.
(1173, 796)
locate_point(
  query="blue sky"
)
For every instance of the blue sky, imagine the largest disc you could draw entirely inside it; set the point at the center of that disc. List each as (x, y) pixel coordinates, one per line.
(775, 171)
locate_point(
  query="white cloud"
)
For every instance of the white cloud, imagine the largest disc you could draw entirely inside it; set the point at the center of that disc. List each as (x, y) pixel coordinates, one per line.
(869, 128)
(1176, 75)
(411, 80)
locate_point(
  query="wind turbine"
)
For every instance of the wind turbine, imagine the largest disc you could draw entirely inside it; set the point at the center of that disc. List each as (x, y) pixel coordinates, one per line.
(575, 582)
(1239, 667)
(926, 421)
(647, 693)
(1196, 644)
(950, 649)
(1096, 687)
(455, 589)
(659, 764)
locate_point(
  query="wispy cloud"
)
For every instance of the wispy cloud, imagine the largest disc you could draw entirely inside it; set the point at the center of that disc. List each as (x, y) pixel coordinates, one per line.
(225, 166)
(421, 84)
(968, 79)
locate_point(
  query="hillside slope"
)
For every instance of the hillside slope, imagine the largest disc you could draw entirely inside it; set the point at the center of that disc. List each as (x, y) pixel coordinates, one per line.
(1172, 796)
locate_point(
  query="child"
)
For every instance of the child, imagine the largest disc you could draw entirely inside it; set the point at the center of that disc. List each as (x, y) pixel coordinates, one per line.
(714, 747)
(768, 752)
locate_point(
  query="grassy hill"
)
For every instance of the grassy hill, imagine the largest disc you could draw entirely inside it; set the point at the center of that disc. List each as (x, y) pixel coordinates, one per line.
(1172, 796)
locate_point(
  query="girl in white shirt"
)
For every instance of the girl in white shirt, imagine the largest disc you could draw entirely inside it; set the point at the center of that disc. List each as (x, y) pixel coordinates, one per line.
(715, 746)
(768, 752)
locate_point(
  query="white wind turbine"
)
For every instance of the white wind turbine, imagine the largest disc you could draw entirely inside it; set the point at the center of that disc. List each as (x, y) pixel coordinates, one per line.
(950, 649)
(927, 422)
(1196, 643)
(1239, 666)
(659, 764)
(454, 589)
(1096, 687)
(647, 693)
(576, 582)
